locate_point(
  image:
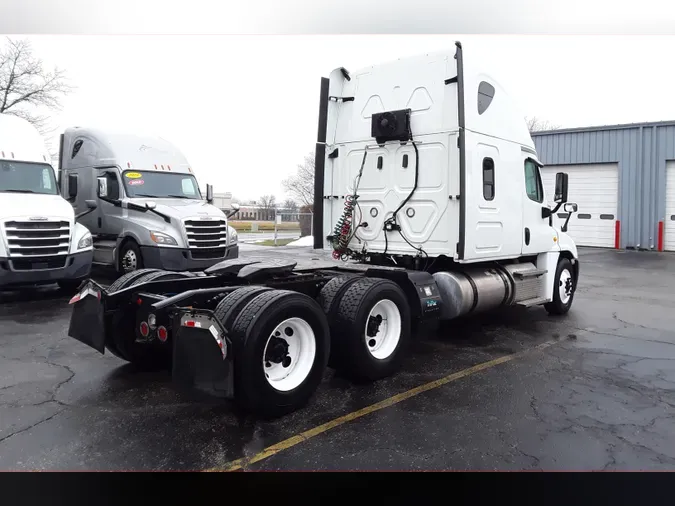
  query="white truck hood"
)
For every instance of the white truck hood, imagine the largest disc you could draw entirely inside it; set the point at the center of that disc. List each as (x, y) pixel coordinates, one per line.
(26, 205)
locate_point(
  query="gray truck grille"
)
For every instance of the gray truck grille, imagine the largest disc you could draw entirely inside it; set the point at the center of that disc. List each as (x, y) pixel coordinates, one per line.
(37, 239)
(203, 234)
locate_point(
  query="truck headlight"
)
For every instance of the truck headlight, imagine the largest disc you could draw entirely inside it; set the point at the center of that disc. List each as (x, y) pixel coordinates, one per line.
(85, 242)
(164, 239)
(232, 233)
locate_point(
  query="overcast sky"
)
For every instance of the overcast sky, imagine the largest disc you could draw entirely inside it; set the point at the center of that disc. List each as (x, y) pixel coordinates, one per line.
(244, 108)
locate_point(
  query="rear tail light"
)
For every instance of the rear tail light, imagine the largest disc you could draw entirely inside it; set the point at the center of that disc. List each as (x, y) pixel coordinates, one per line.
(162, 334)
(144, 329)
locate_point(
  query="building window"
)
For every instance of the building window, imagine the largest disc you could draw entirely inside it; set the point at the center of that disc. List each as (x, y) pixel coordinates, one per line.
(533, 186)
(486, 93)
(488, 179)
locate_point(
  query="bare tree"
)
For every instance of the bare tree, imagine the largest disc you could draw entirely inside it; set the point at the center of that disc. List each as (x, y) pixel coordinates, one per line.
(301, 184)
(268, 203)
(290, 205)
(535, 124)
(27, 87)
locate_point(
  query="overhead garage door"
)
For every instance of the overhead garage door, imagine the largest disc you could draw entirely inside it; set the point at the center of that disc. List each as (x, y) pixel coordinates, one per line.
(595, 189)
(669, 236)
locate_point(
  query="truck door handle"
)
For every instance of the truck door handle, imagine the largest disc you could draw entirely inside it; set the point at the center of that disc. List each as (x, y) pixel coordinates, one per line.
(527, 236)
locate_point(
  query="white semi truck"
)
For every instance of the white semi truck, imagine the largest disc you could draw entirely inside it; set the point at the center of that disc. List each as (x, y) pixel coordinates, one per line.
(150, 212)
(40, 241)
(428, 188)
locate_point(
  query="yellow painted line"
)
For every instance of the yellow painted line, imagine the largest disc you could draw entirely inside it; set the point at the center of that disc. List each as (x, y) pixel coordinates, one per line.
(308, 434)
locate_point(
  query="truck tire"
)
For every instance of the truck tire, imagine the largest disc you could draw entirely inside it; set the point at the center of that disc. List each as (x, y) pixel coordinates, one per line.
(145, 356)
(130, 258)
(329, 300)
(371, 329)
(563, 288)
(227, 309)
(271, 381)
(126, 280)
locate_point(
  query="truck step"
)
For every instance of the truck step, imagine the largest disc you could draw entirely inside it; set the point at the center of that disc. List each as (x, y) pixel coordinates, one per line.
(533, 302)
(534, 273)
(104, 244)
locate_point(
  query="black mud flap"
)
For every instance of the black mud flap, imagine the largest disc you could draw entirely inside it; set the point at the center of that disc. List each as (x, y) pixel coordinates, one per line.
(86, 322)
(201, 354)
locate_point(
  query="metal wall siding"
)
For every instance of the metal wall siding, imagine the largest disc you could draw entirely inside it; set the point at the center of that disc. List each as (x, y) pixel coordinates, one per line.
(641, 151)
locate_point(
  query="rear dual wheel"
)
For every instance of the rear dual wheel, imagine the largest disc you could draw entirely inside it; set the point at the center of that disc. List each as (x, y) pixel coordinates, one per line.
(281, 347)
(370, 326)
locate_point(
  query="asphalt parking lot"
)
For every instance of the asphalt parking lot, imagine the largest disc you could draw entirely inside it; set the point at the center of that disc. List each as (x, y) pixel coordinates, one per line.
(512, 390)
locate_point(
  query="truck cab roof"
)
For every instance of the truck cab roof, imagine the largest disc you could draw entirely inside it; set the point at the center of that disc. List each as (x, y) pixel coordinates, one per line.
(94, 147)
(20, 141)
(427, 85)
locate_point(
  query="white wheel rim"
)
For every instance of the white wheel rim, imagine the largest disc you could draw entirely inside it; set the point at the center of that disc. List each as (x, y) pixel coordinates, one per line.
(287, 367)
(382, 339)
(565, 286)
(129, 261)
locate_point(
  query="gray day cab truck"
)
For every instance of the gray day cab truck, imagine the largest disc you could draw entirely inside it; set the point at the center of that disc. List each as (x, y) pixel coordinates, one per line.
(150, 211)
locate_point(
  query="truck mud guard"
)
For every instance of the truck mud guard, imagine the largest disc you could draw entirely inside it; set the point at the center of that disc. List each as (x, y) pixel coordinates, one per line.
(86, 323)
(419, 287)
(202, 358)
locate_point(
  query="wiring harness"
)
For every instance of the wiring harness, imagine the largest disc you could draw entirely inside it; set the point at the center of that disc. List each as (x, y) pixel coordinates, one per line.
(344, 231)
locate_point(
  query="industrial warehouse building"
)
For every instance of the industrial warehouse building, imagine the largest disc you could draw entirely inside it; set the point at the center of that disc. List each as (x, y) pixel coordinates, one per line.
(623, 179)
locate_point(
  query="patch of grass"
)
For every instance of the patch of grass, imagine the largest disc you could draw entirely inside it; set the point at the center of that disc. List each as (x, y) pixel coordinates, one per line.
(270, 242)
(263, 226)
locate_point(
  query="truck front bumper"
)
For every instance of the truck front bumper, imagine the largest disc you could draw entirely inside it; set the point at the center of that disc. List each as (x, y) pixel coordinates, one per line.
(77, 266)
(178, 259)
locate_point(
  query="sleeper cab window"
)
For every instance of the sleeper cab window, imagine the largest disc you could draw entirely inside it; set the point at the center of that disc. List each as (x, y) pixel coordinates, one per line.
(533, 186)
(488, 179)
(486, 93)
(76, 148)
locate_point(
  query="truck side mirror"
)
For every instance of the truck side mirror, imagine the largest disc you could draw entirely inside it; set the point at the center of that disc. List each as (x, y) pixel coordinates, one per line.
(102, 191)
(234, 209)
(209, 193)
(72, 186)
(91, 205)
(560, 187)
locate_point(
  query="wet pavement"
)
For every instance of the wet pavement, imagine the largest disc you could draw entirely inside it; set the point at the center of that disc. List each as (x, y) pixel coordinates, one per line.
(600, 397)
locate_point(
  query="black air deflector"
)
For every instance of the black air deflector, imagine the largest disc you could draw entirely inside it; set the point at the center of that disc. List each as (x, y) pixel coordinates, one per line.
(391, 126)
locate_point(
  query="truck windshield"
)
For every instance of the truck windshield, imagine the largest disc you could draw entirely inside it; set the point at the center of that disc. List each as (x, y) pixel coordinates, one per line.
(27, 177)
(160, 185)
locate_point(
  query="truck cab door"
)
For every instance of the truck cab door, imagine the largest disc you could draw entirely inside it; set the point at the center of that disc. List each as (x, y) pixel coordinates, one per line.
(109, 213)
(537, 234)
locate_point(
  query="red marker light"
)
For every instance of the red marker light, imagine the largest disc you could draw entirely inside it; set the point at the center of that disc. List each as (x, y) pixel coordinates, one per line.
(162, 334)
(139, 301)
(190, 323)
(145, 329)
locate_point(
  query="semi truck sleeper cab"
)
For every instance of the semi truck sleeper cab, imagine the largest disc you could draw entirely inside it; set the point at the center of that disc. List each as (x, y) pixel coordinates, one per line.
(150, 211)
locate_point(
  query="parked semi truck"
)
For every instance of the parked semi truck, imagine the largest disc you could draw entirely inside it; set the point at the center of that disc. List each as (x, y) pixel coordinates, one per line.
(429, 197)
(150, 212)
(40, 241)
